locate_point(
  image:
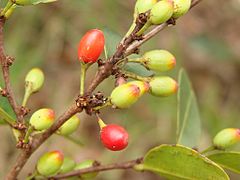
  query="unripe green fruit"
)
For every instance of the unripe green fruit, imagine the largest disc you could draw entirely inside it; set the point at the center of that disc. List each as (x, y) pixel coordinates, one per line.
(69, 126)
(161, 12)
(50, 163)
(181, 7)
(163, 86)
(42, 119)
(32, 2)
(125, 95)
(34, 80)
(227, 138)
(86, 164)
(67, 166)
(143, 86)
(159, 60)
(143, 6)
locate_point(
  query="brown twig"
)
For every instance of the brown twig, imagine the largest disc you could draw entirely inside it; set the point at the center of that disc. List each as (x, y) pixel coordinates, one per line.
(129, 46)
(123, 165)
(6, 63)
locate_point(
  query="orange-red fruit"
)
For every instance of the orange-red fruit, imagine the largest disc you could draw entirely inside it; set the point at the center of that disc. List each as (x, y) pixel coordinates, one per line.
(91, 46)
(114, 137)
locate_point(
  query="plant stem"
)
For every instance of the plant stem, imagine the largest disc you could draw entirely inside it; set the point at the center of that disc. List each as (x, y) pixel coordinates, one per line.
(34, 174)
(26, 97)
(7, 7)
(72, 139)
(28, 133)
(108, 103)
(135, 76)
(144, 28)
(209, 149)
(136, 60)
(84, 68)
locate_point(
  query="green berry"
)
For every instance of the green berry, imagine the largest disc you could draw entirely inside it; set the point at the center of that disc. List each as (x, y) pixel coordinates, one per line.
(34, 80)
(162, 86)
(86, 164)
(161, 12)
(159, 60)
(143, 86)
(50, 163)
(68, 165)
(125, 95)
(181, 7)
(69, 126)
(143, 6)
(226, 138)
(42, 119)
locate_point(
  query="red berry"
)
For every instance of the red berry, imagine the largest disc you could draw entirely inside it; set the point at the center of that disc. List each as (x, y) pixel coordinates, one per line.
(91, 46)
(114, 137)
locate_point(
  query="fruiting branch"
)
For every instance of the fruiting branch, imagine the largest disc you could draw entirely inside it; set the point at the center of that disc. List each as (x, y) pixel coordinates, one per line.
(128, 46)
(123, 165)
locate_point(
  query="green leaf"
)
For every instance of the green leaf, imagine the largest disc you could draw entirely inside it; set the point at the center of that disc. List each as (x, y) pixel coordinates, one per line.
(137, 69)
(5, 117)
(228, 160)
(179, 162)
(188, 118)
(112, 39)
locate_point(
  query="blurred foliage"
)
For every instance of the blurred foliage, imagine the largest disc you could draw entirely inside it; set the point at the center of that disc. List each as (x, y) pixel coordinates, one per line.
(205, 41)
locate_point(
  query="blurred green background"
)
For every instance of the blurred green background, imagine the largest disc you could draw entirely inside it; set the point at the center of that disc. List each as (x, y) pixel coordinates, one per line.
(206, 42)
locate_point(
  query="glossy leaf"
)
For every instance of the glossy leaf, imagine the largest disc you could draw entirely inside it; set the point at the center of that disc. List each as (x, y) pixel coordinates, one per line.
(188, 118)
(179, 162)
(228, 160)
(112, 39)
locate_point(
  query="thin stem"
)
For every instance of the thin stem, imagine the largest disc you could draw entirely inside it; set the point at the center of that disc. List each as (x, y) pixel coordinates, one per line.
(7, 7)
(26, 97)
(72, 139)
(84, 67)
(209, 149)
(100, 168)
(108, 103)
(7, 118)
(28, 133)
(144, 28)
(135, 76)
(34, 174)
(135, 60)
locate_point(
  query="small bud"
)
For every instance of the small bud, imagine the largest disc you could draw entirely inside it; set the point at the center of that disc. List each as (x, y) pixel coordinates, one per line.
(114, 137)
(86, 164)
(91, 46)
(143, 86)
(226, 138)
(50, 163)
(143, 6)
(69, 126)
(181, 7)
(125, 95)
(159, 60)
(161, 11)
(67, 166)
(163, 86)
(42, 119)
(34, 80)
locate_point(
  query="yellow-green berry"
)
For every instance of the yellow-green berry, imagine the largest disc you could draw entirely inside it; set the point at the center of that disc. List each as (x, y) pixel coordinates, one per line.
(161, 12)
(226, 138)
(69, 126)
(86, 164)
(142, 6)
(42, 119)
(143, 86)
(34, 80)
(68, 165)
(50, 163)
(162, 86)
(159, 60)
(181, 7)
(125, 95)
